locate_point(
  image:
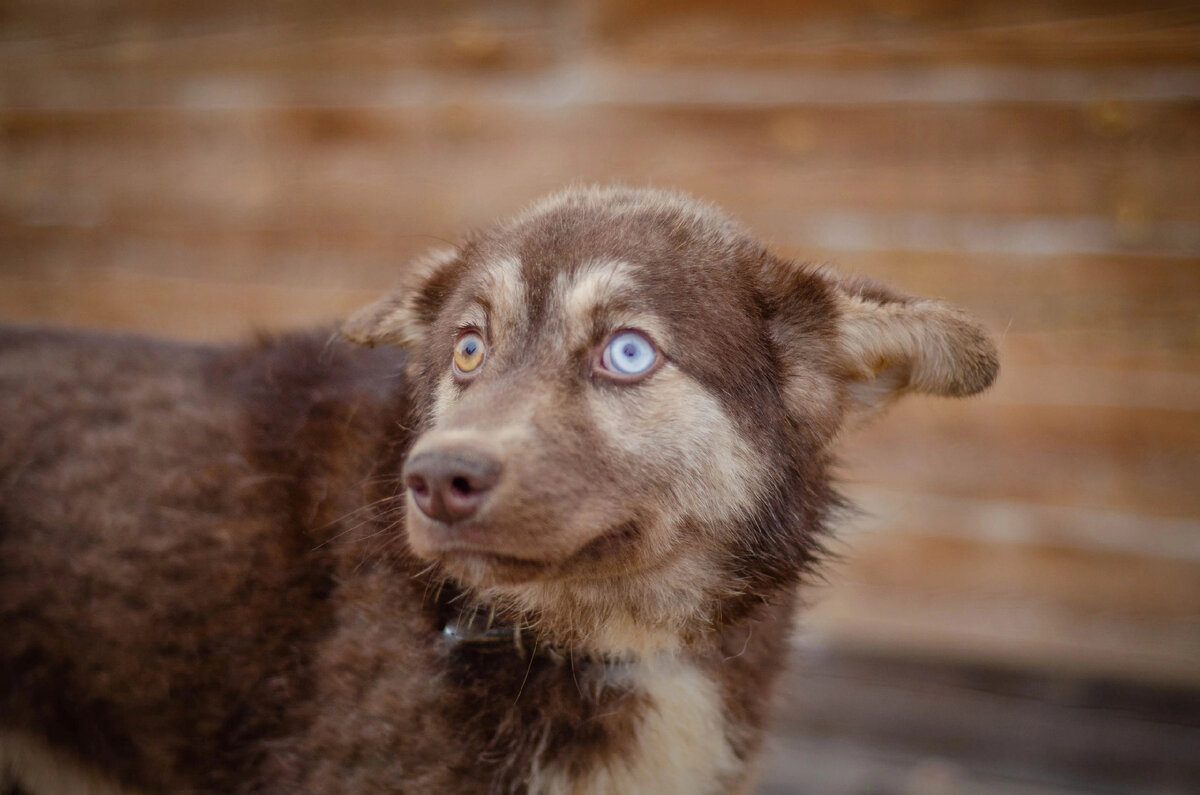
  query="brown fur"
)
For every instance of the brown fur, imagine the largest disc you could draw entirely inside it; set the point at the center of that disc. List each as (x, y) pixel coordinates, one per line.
(211, 578)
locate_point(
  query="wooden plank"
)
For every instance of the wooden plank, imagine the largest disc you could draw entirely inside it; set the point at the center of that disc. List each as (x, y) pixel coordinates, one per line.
(373, 259)
(1124, 460)
(1005, 630)
(1116, 584)
(1085, 558)
(870, 33)
(1168, 531)
(1133, 386)
(795, 174)
(437, 172)
(122, 39)
(1039, 288)
(196, 309)
(857, 34)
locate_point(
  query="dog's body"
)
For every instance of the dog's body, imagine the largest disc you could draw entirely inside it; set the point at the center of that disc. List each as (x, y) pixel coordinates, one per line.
(613, 419)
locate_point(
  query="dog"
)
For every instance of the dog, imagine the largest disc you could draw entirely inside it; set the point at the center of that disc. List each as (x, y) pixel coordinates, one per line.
(534, 522)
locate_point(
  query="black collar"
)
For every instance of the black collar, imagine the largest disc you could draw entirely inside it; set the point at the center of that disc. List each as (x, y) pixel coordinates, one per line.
(476, 629)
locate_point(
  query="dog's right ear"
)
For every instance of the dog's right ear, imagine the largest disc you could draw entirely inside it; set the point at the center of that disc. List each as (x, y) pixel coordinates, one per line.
(401, 316)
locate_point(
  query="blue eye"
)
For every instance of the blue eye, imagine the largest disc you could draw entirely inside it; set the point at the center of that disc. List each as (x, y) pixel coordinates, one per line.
(629, 353)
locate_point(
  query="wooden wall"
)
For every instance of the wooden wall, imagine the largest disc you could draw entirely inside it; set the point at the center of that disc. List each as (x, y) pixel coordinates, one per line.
(200, 169)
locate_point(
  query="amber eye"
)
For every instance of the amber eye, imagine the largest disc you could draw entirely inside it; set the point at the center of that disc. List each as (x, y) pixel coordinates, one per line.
(468, 352)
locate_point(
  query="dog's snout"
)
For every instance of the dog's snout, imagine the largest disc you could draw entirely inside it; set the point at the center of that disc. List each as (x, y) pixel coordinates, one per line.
(450, 485)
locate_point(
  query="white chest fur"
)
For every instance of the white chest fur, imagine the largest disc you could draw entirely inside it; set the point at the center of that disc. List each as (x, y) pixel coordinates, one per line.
(38, 768)
(681, 744)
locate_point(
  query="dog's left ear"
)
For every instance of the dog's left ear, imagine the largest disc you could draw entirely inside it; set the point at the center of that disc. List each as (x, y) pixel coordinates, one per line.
(890, 344)
(401, 316)
(879, 343)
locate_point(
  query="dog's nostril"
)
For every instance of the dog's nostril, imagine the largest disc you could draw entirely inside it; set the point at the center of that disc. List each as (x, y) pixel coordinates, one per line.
(461, 485)
(418, 485)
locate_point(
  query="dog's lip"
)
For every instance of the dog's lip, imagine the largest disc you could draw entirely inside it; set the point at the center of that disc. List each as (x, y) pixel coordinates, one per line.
(474, 550)
(468, 539)
(458, 546)
(472, 540)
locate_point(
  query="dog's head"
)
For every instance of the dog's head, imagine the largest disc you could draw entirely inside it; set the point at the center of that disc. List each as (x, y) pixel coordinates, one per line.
(627, 408)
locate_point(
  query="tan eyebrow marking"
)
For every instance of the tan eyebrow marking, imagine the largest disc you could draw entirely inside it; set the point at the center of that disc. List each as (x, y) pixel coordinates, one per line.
(604, 287)
(503, 287)
(581, 293)
(476, 315)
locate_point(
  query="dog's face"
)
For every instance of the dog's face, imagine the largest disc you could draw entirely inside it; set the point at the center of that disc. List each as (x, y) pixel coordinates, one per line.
(628, 404)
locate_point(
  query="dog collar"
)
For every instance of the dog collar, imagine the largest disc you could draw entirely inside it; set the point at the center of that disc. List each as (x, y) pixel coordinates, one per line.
(470, 627)
(473, 629)
(470, 630)
(476, 629)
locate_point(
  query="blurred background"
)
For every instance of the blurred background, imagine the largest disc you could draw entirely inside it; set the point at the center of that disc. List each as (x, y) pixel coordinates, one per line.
(1017, 607)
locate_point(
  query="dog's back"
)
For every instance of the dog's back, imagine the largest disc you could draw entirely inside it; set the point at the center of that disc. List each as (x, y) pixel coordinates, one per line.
(161, 563)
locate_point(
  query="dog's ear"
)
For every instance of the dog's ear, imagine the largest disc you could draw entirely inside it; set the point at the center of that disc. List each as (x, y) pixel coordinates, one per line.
(879, 344)
(401, 316)
(889, 344)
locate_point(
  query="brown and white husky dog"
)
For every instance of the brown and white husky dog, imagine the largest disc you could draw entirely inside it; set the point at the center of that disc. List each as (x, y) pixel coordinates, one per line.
(533, 523)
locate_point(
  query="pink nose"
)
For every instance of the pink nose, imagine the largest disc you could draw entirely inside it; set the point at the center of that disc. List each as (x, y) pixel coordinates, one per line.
(449, 485)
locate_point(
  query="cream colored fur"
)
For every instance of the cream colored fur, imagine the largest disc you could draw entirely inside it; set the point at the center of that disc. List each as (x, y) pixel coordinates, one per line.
(505, 290)
(580, 294)
(921, 345)
(680, 746)
(41, 769)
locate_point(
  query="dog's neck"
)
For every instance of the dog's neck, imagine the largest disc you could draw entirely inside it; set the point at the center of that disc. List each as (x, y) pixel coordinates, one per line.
(475, 628)
(472, 627)
(681, 729)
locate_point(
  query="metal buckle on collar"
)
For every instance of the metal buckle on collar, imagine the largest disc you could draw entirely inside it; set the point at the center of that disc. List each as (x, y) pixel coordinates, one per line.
(471, 627)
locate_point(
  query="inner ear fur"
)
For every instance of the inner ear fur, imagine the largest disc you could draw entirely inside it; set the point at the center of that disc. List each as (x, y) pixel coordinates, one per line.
(881, 343)
(401, 316)
(889, 344)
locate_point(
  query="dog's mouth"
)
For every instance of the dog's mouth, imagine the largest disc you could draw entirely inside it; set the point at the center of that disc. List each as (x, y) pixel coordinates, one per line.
(477, 556)
(485, 553)
(486, 567)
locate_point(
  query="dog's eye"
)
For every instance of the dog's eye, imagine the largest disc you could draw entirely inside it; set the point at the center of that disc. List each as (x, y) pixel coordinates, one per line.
(630, 353)
(468, 352)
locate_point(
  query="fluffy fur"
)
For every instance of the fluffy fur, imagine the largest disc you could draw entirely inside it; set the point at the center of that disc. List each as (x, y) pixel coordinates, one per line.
(212, 576)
